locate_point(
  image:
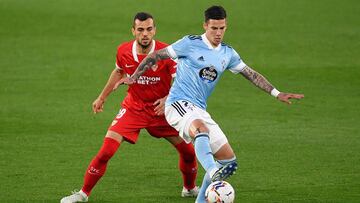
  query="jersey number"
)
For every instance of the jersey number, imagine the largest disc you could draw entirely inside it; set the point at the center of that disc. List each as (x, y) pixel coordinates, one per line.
(121, 113)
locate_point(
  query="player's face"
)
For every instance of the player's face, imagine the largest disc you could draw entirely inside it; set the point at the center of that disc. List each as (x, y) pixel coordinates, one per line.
(215, 30)
(144, 32)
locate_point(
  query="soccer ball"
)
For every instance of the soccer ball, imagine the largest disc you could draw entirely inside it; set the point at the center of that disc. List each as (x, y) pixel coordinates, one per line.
(220, 192)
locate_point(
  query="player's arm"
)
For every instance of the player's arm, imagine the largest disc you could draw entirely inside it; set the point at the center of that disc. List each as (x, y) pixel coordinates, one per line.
(257, 79)
(160, 103)
(148, 62)
(260, 81)
(112, 82)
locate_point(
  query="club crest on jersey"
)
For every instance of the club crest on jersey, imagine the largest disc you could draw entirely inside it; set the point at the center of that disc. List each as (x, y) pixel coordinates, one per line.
(223, 62)
(208, 74)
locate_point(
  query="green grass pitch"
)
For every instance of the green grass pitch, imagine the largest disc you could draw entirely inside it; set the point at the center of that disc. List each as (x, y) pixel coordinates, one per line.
(55, 57)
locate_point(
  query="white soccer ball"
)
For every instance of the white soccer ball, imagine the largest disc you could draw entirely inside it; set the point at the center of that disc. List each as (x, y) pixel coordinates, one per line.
(220, 192)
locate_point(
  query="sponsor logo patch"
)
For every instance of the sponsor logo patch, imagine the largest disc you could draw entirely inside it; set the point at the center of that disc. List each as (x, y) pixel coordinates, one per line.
(208, 74)
(147, 80)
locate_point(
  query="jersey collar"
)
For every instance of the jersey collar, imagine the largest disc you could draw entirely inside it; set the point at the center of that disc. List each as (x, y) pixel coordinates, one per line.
(207, 42)
(134, 53)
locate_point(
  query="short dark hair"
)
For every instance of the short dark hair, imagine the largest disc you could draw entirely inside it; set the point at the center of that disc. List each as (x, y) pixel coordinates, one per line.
(215, 13)
(142, 16)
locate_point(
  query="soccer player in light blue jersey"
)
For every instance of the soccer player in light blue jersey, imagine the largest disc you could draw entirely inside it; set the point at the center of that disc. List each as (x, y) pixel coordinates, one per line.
(201, 62)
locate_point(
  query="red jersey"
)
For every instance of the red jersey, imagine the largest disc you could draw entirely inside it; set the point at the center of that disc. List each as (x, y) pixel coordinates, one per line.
(150, 86)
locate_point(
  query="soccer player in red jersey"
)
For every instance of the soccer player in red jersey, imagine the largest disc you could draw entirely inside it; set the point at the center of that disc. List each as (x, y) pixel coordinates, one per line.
(142, 108)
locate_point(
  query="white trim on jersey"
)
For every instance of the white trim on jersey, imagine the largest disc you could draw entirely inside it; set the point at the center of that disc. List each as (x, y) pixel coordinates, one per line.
(171, 52)
(207, 42)
(134, 52)
(239, 68)
(173, 75)
(116, 66)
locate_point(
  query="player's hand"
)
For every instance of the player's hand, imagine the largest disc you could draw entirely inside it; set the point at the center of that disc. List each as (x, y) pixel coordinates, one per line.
(98, 105)
(127, 81)
(160, 106)
(285, 97)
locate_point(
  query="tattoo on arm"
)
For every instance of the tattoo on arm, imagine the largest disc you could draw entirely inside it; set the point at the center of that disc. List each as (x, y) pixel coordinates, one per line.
(257, 79)
(150, 61)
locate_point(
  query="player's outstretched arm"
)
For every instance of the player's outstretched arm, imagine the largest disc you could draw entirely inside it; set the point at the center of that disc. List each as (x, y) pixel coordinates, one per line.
(148, 62)
(261, 82)
(257, 79)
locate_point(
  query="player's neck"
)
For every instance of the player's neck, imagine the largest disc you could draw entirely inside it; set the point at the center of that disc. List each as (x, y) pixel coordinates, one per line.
(143, 50)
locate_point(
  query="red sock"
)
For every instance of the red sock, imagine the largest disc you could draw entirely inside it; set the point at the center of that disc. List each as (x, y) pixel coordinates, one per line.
(98, 165)
(187, 164)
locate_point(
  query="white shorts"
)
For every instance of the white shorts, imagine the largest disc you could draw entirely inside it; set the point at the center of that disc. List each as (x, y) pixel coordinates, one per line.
(181, 114)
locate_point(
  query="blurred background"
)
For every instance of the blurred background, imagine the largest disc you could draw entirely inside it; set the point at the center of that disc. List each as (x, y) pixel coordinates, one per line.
(56, 56)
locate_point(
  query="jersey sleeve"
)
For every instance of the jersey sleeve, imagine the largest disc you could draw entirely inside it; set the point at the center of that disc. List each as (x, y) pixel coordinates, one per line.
(180, 48)
(236, 64)
(172, 68)
(117, 63)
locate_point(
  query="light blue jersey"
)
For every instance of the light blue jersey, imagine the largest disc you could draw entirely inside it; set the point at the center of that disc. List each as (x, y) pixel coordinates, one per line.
(199, 68)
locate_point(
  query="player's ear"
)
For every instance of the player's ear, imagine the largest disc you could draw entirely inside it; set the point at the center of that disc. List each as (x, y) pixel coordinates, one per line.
(133, 31)
(205, 25)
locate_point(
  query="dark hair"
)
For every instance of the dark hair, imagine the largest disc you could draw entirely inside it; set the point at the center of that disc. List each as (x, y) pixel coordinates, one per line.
(142, 16)
(215, 13)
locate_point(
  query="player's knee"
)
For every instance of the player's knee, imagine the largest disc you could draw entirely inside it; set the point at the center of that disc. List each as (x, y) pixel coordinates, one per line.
(198, 127)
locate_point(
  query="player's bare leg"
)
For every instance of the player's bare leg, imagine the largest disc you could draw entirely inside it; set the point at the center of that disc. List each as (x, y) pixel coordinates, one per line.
(187, 165)
(225, 152)
(200, 134)
(221, 169)
(97, 168)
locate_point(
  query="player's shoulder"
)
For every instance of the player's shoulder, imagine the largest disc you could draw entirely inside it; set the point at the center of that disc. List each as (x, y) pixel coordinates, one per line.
(189, 40)
(223, 44)
(160, 44)
(125, 46)
(194, 37)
